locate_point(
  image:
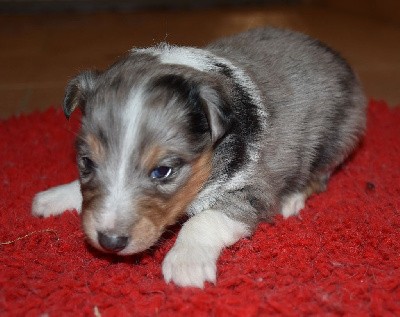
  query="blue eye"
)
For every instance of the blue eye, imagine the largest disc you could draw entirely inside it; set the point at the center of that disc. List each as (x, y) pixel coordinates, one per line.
(161, 172)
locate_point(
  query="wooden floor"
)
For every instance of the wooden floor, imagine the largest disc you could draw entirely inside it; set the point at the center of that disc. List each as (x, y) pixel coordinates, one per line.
(39, 53)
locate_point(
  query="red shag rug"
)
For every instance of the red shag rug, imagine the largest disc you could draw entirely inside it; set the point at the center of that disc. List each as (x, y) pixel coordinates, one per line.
(340, 257)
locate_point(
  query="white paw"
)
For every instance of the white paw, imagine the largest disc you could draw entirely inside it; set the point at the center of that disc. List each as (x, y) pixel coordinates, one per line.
(56, 200)
(192, 260)
(292, 204)
(190, 266)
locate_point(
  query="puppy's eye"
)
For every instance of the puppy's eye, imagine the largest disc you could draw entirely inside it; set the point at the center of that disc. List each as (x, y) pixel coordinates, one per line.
(161, 172)
(87, 165)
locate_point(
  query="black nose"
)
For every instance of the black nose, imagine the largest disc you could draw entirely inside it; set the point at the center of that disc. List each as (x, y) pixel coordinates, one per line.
(112, 242)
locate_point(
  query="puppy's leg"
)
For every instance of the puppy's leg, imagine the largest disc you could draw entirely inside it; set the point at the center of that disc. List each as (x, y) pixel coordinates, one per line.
(56, 200)
(192, 260)
(294, 202)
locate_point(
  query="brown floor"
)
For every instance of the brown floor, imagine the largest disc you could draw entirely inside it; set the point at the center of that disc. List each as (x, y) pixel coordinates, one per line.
(39, 53)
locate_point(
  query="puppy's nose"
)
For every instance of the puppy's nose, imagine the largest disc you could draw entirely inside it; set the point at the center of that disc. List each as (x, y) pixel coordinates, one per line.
(112, 242)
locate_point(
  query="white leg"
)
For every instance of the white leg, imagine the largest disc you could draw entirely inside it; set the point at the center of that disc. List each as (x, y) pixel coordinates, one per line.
(192, 260)
(292, 204)
(56, 200)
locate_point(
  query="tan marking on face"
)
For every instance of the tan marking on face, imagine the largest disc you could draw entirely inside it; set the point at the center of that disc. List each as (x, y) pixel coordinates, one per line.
(91, 192)
(145, 234)
(90, 203)
(90, 197)
(151, 156)
(164, 212)
(96, 148)
(88, 226)
(201, 170)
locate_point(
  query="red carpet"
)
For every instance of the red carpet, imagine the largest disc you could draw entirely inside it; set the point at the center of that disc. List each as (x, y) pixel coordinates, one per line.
(341, 257)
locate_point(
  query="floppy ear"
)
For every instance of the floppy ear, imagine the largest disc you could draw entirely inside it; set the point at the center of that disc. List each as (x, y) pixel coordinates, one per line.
(206, 96)
(78, 90)
(216, 107)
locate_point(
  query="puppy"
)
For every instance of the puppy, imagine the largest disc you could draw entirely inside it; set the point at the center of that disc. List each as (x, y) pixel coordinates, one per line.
(230, 135)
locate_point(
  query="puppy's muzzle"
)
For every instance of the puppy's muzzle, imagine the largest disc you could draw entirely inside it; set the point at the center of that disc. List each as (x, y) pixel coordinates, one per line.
(112, 242)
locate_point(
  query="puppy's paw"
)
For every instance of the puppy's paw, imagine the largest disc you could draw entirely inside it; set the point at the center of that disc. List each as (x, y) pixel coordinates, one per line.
(190, 266)
(56, 200)
(47, 203)
(192, 260)
(293, 204)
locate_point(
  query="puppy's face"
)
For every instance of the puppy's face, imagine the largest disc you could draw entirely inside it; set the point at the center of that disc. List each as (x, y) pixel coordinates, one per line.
(144, 152)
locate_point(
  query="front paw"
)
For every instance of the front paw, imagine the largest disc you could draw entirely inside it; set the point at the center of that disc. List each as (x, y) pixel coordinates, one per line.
(56, 200)
(190, 266)
(192, 260)
(47, 203)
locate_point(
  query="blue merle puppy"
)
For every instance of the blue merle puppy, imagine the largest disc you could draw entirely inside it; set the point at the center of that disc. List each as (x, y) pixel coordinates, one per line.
(229, 135)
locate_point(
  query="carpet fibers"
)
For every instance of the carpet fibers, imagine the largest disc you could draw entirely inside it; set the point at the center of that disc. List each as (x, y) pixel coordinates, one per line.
(340, 257)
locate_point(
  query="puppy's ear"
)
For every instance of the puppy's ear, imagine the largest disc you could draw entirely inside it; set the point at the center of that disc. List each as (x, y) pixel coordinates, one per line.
(216, 107)
(207, 98)
(78, 90)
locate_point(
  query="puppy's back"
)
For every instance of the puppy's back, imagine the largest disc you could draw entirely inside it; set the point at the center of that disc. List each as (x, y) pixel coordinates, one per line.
(314, 101)
(287, 64)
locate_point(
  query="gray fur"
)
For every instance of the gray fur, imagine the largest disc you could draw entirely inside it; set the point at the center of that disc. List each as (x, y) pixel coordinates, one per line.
(279, 109)
(314, 103)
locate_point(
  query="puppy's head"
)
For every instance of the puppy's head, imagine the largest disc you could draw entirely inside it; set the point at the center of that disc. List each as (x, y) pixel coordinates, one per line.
(145, 148)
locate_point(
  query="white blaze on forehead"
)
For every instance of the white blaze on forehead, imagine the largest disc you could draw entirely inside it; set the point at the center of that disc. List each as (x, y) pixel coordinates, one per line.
(118, 193)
